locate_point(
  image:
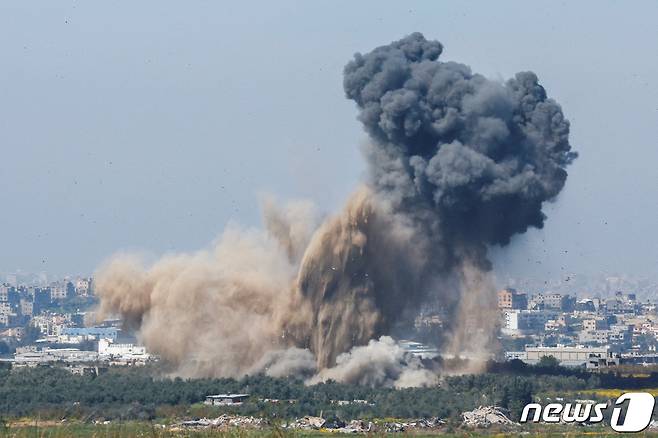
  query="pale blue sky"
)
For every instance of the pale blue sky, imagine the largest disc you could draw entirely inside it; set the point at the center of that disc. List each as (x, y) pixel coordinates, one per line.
(149, 125)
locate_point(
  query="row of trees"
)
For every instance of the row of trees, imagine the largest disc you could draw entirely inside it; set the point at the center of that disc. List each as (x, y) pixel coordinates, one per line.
(136, 393)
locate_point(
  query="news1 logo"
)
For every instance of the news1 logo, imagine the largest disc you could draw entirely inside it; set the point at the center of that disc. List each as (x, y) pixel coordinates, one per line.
(636, 418)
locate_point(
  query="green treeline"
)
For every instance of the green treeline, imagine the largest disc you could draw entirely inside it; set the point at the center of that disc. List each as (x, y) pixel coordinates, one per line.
(134, 393)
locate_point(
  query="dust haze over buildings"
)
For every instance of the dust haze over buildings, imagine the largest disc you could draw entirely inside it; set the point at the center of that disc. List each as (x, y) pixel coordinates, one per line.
(457, 163)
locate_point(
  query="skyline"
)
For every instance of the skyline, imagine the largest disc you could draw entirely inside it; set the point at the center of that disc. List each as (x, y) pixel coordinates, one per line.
(145, 132)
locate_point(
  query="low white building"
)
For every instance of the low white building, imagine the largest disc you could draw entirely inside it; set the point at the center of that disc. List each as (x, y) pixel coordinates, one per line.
(33, 357)
(226, 399)
(122, 352)
(590, 357)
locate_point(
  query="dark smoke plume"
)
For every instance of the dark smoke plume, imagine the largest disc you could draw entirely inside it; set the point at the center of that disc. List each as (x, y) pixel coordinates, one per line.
(462, 162)
(457, 163)
(482, 155)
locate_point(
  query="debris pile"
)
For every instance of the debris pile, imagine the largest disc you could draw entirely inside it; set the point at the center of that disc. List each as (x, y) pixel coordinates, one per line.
(310, 423)
(336, 425)
(306, 423)
(225, 421)
(422, 423)
(430, 423)
(356, 426)
(485, 416)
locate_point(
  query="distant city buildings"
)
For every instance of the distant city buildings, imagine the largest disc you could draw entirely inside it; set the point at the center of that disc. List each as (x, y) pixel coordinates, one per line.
(44, 324)
(589, 331)
(107, 354)
(19, 304)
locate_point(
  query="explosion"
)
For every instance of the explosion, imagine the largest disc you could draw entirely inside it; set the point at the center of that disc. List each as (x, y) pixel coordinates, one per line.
(456, 163)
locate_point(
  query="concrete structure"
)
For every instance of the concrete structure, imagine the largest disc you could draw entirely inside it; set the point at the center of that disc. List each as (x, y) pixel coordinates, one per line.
(50, 324)
(122, 354)
(226, 399)
(34, 357)
(594, 324)
(86, 370)
(590, 357)
(14, 332)
(40, 298)
(552, 301)
(594, 337)
(92, 332)
(511, 299)
(83, 287)
(521, 321)
(515, 355)
(586, 305)
(107, 347)
(27, 307)
(58, 291)
(418, 349)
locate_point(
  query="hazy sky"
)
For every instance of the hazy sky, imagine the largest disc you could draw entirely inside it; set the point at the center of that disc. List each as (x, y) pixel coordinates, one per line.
(149, 125)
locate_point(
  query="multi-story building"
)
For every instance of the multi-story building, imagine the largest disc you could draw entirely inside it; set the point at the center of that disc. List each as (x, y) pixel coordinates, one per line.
(58, 291)
(26, 307)
(51, 324)
(592, 324)
(621, 334)
(83, 287)
(553, 301)
(40, 298)
(601, 337)
(586, 305)
(523, 321)
(561, 323)
(511, 299)
(8, 294)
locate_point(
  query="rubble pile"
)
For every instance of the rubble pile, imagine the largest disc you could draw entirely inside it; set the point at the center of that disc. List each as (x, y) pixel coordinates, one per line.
(356, 426)
(429, 423)
(310, 423)
(485, 416)
(423, 423)
(225, 421)
(306, 423)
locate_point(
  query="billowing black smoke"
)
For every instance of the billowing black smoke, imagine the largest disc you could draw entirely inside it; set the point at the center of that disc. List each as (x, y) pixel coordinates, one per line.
(457, 163)
(482, 155)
